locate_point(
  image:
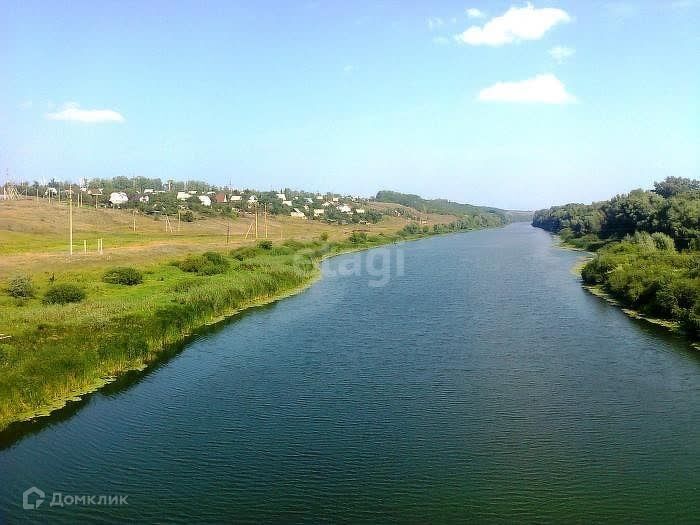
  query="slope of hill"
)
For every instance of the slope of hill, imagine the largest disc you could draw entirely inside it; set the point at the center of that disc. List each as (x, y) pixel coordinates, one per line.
(492, 216)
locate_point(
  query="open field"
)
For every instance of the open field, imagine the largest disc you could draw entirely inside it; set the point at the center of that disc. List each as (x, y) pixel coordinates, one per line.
(34, 235)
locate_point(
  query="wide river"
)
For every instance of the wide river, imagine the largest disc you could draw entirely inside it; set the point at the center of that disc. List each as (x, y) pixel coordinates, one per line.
(467, 376)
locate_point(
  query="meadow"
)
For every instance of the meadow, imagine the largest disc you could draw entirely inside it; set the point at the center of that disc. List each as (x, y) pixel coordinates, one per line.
(52, 353)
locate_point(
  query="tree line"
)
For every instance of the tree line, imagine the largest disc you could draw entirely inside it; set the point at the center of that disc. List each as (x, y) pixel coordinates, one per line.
(647, 247)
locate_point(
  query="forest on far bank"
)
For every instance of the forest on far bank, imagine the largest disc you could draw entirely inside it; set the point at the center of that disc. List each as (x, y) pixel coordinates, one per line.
(647, 245)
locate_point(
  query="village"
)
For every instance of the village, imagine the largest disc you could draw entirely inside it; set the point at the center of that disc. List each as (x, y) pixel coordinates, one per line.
(203, 200)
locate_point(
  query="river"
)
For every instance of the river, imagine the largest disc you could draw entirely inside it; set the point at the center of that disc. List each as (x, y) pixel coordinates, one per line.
(465, 376)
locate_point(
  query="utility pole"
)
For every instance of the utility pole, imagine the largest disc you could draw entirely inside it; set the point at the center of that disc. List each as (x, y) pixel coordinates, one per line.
(266, 220)
(70, 219)
(228, 229)
(256, 221)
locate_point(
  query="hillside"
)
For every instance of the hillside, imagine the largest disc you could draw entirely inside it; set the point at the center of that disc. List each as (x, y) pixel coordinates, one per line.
(491, 216)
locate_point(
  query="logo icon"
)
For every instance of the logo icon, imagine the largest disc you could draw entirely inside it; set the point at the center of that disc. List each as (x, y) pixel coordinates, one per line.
(32, 494)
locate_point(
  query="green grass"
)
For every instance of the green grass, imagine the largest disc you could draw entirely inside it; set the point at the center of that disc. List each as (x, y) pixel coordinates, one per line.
(57, 352)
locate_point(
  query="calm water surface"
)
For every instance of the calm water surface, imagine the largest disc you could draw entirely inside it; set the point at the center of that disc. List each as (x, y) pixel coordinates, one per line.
(480, 382)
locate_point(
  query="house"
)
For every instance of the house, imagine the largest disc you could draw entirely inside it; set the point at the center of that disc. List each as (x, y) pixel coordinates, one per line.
(287, 203)
(319, 197)
(204, 199)
(220, 198)
(51, 191)
(144, 198)
(318, 212)
(344, 208)
(360, 210)
(252, 199)
(117, 198)
(326, 204)
(297, 214)
(309, 200)
(148, 190)
(183, 195)
(282, 196)
(235, 198)
(335, 199)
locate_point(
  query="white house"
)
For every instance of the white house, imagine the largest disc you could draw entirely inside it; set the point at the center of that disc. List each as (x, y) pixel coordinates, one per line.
(235, 198)
(282, 196)
(144, 198)
(297, 214)
(344, 208)
(360, 210)
(326, 204)
(252, 199)
(205, 200)
(319, 211)
(287, 203)
(335, 199)
(319, 197)
(148, 190)
(117, 198)
(309, 200)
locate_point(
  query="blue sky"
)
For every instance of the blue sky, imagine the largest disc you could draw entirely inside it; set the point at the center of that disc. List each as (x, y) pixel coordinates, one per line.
(515, 105)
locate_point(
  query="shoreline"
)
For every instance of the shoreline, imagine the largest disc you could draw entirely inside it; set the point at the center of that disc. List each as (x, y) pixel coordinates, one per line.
(598, 290)
(157, 348)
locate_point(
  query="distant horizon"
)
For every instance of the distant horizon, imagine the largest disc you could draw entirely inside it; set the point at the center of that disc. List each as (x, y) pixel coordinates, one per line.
(325, 192)
(510, 104)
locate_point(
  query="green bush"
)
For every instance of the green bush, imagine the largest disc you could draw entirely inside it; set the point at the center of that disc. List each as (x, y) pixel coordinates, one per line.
(64, 293)
(123, 275)
(358, 237)
(324, 236)
(209, 263)
(265, 245)
(20, 287)
(245, 253)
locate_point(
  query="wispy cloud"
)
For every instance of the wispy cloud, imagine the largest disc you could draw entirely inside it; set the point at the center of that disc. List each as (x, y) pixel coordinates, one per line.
(561, 53)
(435, 22)
(348, 69)
(441, 40)
(516, 24)
(544, 89)
(473, 12)
(71, 111)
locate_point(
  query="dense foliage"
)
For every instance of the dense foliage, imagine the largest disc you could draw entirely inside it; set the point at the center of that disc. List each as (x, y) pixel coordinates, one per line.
(208, 263)
(485, 215)
(64, 293)
(20, 287)
(648, 247)
(672, 207)
(126, 275)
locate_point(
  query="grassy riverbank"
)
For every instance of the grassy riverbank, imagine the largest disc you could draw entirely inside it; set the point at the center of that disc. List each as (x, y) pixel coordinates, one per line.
(57, 352)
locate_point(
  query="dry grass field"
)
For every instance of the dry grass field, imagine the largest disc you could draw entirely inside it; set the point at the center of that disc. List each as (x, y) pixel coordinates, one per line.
(34, 235)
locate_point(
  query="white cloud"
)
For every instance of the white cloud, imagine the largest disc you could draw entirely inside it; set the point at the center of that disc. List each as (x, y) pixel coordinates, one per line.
(435, 22)
(545, 89)
(473, 12)
(561, 53)
(71, 111)
(518, 23)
